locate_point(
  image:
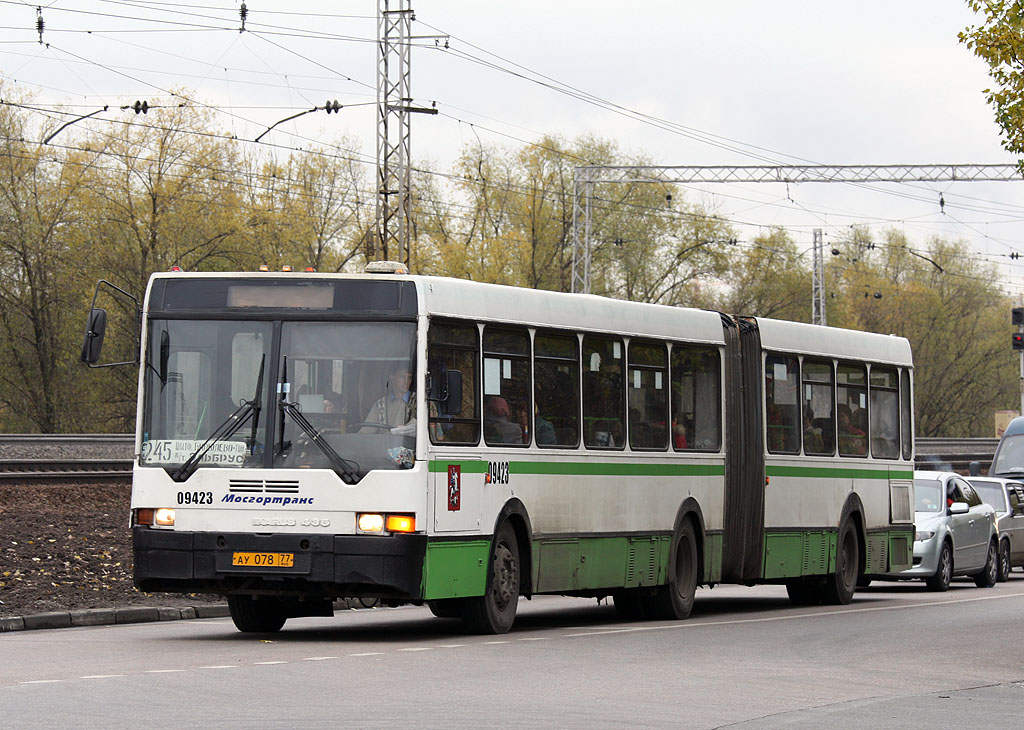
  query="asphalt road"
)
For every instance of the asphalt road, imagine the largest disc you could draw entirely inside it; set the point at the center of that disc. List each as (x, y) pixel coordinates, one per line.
(897, 657)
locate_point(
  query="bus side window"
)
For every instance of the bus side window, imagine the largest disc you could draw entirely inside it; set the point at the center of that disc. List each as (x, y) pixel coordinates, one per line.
(603, 392)
(454, 347)
(556, 369)
(782, 406)
(696, 398)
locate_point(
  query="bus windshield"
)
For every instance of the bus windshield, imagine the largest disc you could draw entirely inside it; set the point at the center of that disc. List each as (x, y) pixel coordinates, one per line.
(353, 383)
(339, 395)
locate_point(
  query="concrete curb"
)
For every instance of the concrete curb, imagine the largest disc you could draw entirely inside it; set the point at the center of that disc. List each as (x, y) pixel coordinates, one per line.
(130, 615)
(106, 616)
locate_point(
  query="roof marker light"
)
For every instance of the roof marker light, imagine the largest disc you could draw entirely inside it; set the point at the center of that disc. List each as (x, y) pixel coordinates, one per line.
(286, 267)
(264, 267)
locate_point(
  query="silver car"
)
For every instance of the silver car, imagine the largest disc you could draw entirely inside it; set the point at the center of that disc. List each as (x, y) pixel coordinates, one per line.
(1007, 497)
(956, 532)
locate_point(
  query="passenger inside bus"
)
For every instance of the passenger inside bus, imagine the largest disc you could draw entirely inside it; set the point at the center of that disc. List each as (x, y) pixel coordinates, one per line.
(852, 440)
(498, 428)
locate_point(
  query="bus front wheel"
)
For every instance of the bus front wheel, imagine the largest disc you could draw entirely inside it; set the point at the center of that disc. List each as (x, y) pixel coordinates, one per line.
(256, 615)
(495, 611)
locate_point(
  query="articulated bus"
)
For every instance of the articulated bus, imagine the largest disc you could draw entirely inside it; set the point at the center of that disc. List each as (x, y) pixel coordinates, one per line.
(305, 438)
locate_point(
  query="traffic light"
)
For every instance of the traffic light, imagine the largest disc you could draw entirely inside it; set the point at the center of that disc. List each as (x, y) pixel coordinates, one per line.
(1018, 316)
(1018, 340)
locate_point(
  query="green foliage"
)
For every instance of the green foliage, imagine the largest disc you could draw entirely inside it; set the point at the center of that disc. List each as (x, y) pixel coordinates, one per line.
(118, 202)
(999, 41)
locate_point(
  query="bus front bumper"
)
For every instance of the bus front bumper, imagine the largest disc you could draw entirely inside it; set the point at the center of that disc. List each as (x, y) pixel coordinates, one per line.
(330, 566)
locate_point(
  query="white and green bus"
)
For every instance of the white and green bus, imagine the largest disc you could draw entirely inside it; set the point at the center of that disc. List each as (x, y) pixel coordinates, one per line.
(304, 438)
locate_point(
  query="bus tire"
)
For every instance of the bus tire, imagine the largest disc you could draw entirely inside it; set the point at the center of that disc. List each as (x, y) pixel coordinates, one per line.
(446, 607)
(259, 615)
(674, 600)
(495, 611)
(841, 585)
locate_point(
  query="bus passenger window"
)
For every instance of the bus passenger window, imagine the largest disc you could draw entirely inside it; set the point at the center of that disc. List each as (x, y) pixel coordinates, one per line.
(782, 404)
(603, 393)
(454, 347)
(819, 419)
(556, 369)
(696, 399)
(507, 387)
(851, 392)
(884, 410)
(647, 391)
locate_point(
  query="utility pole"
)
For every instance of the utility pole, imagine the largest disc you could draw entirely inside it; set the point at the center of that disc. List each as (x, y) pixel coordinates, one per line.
(586, 177)
(394, 151)
(818, 280)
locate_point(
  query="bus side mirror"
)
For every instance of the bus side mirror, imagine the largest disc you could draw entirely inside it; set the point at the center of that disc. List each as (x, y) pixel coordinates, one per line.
(95, 327)
(452, 403)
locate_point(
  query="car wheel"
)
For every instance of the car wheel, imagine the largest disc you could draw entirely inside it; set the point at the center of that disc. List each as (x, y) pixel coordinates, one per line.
(987, 577)
(1004, 561)
(944, 573)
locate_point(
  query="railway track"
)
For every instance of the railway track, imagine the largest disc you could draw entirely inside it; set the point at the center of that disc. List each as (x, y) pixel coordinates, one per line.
(41, 458)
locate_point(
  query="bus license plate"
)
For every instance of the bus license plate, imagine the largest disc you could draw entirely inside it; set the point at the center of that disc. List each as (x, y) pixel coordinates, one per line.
(264, 560)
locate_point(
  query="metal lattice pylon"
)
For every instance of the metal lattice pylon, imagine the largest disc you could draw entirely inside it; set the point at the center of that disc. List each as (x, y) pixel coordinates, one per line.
(394, 22)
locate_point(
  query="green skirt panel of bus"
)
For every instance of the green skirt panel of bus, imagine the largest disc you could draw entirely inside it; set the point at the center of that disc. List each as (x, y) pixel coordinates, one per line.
(795, 553)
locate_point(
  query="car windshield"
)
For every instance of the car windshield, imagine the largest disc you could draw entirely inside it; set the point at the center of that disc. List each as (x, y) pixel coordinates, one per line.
(992, 493)
(1009, 458)
(928, 495)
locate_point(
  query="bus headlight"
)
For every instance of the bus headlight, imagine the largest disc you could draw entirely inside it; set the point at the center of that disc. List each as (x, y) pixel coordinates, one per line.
(377, 524)
(164, 517)
(370, 522)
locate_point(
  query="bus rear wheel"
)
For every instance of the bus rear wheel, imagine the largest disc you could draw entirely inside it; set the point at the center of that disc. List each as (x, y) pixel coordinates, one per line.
(495, 611)
(260, 615)
(840, 586)
(674, 600)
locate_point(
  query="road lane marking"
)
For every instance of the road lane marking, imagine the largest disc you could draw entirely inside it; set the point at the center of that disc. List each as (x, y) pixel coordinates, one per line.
(417, 648)
(41, 681)
(102, 676)
(265, 663)
(162, 671)
(369, 653)
(840, 611)
(221, 666)
(318, 658)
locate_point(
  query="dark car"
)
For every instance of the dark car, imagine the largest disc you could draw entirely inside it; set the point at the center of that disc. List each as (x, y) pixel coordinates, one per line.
(1007, 497)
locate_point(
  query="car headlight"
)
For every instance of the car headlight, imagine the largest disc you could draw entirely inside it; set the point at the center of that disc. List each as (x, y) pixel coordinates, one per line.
(923, 535)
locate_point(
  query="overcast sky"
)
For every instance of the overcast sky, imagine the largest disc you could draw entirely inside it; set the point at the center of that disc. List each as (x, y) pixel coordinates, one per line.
(739, 82)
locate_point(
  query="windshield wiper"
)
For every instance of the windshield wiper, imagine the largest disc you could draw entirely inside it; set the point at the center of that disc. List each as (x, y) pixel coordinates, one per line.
(248, 409)
(348, 469)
